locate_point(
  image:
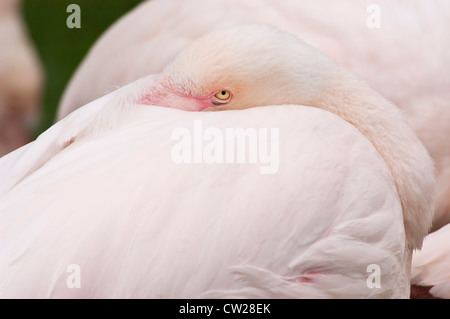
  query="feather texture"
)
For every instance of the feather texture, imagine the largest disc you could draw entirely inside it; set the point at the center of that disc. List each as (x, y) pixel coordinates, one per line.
(410, 33)
(431, 264)
(211, 230)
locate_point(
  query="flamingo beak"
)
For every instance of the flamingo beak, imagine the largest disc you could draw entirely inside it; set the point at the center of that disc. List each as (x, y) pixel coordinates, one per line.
(160, 95)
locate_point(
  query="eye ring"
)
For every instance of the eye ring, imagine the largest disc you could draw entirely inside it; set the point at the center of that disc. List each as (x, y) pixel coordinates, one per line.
(223, 95)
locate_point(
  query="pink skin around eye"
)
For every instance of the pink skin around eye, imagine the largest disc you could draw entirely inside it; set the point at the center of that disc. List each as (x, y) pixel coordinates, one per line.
(161, 96)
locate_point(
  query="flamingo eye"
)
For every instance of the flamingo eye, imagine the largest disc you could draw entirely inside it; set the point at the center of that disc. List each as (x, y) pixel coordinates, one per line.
(223, 95)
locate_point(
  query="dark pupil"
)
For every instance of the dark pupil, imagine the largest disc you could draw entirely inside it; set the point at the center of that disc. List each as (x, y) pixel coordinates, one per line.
(223, 92)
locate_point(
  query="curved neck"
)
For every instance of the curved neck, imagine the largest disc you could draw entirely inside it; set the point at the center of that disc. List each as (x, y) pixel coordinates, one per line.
(386, 127)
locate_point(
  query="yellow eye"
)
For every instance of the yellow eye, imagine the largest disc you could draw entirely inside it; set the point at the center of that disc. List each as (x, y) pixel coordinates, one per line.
(223, 95)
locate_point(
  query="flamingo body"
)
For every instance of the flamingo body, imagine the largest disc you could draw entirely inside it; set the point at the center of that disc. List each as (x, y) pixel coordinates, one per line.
(410, 33)
(103, 189)
(431, 265)
(200, 230)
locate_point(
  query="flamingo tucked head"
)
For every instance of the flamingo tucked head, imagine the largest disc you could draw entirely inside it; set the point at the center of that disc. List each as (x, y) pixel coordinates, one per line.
(241, 67)
(256, 65)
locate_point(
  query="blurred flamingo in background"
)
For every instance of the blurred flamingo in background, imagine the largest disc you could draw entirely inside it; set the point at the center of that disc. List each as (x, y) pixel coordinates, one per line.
(404, 59)
(431, 265)
(21, 80)
(99, 188)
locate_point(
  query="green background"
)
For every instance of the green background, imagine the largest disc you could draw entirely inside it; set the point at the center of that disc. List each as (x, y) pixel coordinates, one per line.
(61, 49)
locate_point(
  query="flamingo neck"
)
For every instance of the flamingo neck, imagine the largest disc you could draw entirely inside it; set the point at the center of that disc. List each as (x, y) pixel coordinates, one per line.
(385, 126)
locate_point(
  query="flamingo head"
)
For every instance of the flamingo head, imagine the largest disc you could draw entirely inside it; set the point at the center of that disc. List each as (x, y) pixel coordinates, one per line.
(242, 67)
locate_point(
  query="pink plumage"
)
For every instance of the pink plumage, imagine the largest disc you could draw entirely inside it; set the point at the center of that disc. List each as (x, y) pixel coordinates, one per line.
(411, 33)
(100, 190)
(403, 58)
(21, 80)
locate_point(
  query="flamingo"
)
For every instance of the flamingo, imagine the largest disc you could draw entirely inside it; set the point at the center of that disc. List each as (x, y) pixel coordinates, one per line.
(410, 33)
(100, 189)
(430, 266)
(21, 80)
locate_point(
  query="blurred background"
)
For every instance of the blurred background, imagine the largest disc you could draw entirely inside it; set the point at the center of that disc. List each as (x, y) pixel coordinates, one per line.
(61, 49)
